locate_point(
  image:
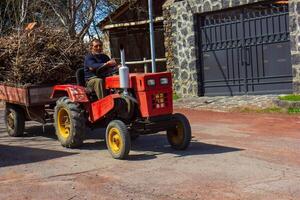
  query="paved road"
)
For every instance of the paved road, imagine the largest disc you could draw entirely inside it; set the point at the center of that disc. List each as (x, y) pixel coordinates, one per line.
(232, 156)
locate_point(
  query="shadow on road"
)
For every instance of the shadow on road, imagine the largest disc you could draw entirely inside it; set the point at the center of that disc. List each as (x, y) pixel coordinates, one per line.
(149, 145)
(37, 130)
(158, 144)
(16, 155)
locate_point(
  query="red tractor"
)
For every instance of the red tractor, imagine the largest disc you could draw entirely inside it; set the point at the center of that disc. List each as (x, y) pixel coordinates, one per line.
(135, 104)
(145, 107)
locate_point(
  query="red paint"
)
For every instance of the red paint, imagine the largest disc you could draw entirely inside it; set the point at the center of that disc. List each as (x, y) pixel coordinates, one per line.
(75, 93)
(101, 107)
(14, 94)
(144, 93)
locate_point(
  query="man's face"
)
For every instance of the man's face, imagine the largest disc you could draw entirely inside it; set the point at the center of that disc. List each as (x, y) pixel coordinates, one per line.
(97, 47)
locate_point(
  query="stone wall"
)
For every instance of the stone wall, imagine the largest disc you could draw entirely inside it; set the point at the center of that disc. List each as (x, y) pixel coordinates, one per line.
(295, 41)
(181, 44)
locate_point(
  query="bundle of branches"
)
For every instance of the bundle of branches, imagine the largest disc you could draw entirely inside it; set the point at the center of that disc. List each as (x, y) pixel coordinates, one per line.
(41, 56)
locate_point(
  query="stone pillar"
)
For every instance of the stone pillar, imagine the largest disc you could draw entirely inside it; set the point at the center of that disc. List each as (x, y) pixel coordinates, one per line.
(180, 48)
(294, 6)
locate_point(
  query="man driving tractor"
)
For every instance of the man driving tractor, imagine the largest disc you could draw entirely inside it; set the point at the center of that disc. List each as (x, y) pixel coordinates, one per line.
(95, 61)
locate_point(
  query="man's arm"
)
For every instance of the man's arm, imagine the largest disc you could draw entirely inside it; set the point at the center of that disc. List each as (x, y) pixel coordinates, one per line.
(92, 63)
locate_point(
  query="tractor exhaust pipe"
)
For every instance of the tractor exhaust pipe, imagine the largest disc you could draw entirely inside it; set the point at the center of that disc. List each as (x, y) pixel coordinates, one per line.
(124, 77)
(124, 73)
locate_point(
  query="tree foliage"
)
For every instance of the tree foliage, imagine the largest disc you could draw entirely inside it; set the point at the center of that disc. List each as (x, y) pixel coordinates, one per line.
(77, 17)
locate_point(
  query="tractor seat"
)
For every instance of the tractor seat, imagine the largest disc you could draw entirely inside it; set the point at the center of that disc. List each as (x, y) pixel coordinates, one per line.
(80, 77)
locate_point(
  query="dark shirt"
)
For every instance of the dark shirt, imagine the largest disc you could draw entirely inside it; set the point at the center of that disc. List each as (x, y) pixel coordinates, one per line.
(94, 61)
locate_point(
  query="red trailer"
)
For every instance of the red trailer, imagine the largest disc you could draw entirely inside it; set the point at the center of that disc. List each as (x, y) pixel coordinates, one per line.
(25, 103)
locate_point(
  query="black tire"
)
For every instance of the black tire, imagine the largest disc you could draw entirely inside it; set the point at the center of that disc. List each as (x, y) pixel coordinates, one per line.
(14, 120)
(118, 139)
(180, 137)
(69, 123)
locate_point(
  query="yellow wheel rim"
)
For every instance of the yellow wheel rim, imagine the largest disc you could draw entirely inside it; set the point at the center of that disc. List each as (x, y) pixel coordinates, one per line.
(11, 121)
(64, 123)
(178, 134)
(115, 140)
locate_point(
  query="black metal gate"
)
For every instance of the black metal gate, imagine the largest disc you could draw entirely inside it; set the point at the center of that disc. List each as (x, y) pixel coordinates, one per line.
(245, 51)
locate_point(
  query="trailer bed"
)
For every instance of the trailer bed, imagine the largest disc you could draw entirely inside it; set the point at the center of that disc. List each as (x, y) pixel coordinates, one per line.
(26, 95)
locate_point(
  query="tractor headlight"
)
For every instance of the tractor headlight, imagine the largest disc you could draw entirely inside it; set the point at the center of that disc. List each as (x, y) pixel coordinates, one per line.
(164, 81)
(151, 82)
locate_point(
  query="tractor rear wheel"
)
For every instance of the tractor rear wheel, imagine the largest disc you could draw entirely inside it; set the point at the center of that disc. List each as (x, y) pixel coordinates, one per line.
(14, 120)
(118, 139)
(69, 123)
(180, 136)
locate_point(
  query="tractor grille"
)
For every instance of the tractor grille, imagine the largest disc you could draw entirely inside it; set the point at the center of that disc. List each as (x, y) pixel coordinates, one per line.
(159, 100)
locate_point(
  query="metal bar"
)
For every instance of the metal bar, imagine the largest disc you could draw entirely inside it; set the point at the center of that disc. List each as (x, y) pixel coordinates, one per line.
(286, 23)
(211, 37)
(270, 77)
(251, 64)
(216, 36)
(267, 26)
(267, 77)
(221, 80)
(232, 51)
(130, 24)
(244, 62)
(273, 26)
(214, 86)
(263, 60)
(224, 48)
(279, 24)
(256, 52)
(145, 66)
(264, 17)
(261, 83)
(152, 39)
(145, 61)
(238, 54)
(272, 82)
(227, 64)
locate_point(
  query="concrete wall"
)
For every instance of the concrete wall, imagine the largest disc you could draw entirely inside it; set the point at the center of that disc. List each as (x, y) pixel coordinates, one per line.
(181, 45)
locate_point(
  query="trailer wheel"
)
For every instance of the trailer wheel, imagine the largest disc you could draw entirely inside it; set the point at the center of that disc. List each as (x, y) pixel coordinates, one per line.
(14, 120)
(180, 137)
(118, 139)
(69, 123)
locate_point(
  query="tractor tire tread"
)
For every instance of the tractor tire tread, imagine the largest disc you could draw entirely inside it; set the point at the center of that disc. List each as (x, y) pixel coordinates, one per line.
(78, 125)
(126, 137)
(19, 120)
(187, 132)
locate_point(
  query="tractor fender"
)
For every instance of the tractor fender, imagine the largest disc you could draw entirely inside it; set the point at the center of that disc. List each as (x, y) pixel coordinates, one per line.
(75, 93)
(101, 107)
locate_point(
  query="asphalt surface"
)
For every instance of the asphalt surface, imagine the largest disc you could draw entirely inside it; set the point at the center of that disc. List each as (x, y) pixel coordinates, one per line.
(232, 156)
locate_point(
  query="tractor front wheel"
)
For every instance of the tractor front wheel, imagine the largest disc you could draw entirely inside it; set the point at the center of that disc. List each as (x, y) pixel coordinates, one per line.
(69, 123)
(14, 120)
(118, 139)
(180, 136)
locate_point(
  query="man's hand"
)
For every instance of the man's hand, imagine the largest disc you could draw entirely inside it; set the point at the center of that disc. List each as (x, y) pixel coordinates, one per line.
(111, 63)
